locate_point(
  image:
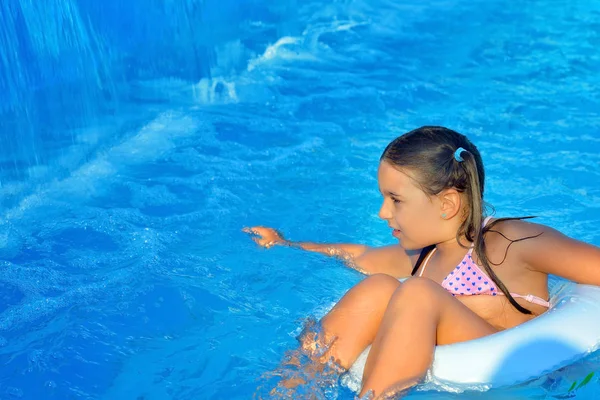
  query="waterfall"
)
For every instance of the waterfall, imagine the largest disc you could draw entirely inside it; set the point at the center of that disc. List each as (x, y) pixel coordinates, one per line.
(69, 69)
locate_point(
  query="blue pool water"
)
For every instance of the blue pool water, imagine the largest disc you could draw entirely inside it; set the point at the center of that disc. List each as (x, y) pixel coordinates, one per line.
(138, 138)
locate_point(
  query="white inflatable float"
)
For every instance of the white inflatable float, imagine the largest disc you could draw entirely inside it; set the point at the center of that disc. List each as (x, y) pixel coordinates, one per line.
(567, 332)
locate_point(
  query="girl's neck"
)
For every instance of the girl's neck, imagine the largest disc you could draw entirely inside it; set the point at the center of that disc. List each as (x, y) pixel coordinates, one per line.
(452, 246)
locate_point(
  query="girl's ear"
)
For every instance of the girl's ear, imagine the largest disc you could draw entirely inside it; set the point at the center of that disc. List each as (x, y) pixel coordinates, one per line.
(450, 203)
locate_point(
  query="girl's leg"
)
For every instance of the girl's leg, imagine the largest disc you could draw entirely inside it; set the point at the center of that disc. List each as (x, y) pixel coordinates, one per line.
(420, 315)
(353, 323)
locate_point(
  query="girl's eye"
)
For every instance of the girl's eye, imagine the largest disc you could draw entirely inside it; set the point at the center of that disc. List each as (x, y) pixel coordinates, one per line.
(396, 201)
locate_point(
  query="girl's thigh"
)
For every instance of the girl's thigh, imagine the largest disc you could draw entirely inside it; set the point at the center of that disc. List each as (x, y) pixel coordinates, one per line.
(353, 323)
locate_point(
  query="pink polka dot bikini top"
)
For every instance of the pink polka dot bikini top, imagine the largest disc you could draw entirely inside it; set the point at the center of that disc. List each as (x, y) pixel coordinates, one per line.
(467, 279)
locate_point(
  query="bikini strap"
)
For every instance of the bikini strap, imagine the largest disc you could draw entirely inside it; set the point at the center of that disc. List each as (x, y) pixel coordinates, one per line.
(422, 256)
(483, 225)
(486, 220)
(532, 299)
(426, 261)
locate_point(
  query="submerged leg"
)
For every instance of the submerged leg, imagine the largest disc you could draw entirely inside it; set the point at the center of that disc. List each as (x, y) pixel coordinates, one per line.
(353, 323)
(420, 315)
(343, 333)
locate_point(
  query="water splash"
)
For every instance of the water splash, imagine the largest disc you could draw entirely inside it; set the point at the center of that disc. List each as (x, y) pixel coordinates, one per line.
(305, 372)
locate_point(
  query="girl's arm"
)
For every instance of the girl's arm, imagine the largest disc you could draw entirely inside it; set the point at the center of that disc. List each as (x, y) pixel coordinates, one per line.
(557, 254)
(391, 260)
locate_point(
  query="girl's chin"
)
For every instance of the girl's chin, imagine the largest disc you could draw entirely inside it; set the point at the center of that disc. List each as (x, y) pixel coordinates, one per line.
(406, 245)
(403, 241)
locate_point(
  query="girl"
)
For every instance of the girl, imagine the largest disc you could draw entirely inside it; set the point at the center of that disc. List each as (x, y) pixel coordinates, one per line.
(470, 276)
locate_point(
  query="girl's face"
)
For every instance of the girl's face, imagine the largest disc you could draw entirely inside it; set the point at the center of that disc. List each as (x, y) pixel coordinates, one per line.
(414, 216)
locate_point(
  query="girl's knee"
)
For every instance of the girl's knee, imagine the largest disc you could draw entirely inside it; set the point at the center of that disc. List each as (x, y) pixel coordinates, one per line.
(375, 290)
(416, 288)
(379, 285)
(382, 281)
(420, 284)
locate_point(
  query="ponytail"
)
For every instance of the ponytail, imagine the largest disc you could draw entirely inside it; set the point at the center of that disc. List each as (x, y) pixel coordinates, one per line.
(474, 230)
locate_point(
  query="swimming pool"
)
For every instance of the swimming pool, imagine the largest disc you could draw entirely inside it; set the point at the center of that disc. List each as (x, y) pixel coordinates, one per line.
(125, 274)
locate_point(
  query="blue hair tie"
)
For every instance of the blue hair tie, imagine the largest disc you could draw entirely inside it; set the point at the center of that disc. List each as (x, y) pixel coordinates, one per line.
(457, 156)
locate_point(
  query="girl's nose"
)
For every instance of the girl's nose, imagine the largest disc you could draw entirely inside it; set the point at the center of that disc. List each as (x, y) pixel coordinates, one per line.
(384, 212)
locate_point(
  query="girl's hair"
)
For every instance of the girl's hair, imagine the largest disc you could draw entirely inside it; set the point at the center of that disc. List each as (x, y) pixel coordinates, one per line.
(429, 152)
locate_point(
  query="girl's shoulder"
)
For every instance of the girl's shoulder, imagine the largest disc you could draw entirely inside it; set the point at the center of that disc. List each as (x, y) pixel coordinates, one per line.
(544, 249)
(505, 239)
(515, 228)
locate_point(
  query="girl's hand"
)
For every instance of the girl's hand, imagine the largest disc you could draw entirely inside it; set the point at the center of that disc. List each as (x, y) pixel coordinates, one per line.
(264, 236)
